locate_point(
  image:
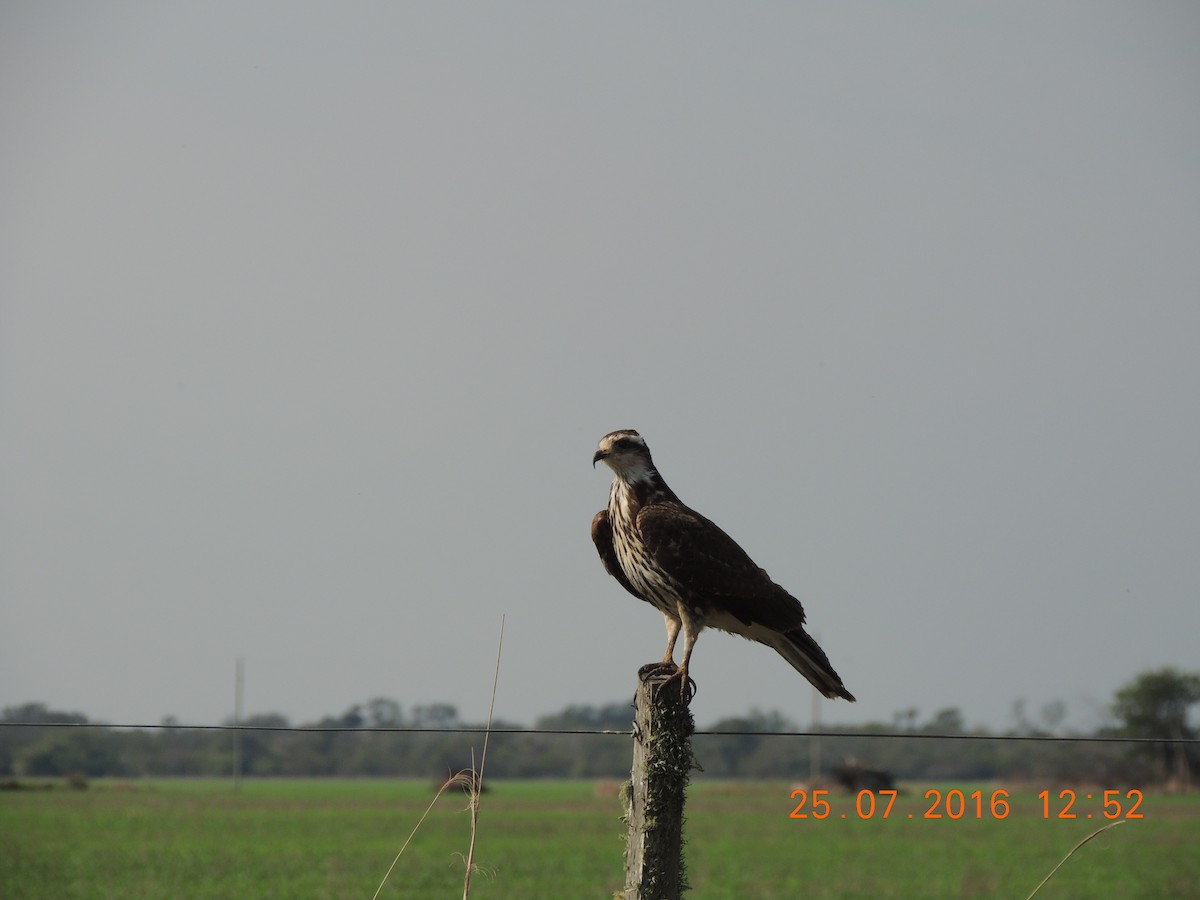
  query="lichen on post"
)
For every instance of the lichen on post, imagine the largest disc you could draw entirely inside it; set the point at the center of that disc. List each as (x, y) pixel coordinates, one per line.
(662, 765)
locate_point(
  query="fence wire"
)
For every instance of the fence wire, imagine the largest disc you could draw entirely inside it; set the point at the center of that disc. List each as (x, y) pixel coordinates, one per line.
(483, 729)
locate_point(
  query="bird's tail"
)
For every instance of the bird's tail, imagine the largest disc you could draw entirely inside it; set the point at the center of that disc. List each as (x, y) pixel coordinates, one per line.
(807, 658)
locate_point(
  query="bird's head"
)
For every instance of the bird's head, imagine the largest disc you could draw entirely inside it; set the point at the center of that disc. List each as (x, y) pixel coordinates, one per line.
(626, 453)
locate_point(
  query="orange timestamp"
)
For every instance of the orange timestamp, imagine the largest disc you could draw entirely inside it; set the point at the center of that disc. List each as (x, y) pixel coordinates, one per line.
(956, 804)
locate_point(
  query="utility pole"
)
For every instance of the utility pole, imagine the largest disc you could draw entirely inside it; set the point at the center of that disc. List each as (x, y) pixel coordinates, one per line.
(238, 683)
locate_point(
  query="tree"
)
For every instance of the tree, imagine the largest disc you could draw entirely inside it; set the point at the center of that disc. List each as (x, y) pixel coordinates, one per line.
(905, 719)
(436, 715)
(13, 741)
(383, 712)
(93, 753)
(747, 754)
(1155, 705)
(39, 712)
(1052, 714)
(946, 721)
(258, 756)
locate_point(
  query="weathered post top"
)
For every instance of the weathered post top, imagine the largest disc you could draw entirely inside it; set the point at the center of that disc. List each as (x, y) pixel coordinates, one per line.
(662, 765)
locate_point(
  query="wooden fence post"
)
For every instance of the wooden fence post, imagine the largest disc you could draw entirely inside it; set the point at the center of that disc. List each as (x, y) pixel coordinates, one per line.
(662, 764)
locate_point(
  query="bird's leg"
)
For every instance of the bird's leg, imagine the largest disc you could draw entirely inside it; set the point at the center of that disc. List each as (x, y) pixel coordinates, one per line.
(672, 624)
(668, 660)
(691, 630)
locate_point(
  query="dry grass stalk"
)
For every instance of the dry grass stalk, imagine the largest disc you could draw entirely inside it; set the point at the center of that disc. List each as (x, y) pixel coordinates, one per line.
(470, 781)
(1073, 849)
(462, 779)
(477, 782)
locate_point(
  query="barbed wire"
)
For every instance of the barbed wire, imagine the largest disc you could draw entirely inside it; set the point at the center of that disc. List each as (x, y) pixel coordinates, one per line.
(481, 729)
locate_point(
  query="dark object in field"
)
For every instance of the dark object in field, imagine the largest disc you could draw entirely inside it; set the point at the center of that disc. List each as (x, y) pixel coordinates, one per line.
(11, 784)
(467, 779)
(855, 777)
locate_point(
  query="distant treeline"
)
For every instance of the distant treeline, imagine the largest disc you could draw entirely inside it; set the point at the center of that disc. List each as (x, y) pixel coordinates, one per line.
(1156, 705)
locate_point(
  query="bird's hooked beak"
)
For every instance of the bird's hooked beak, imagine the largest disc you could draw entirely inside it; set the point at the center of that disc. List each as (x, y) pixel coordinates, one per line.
(600, 454)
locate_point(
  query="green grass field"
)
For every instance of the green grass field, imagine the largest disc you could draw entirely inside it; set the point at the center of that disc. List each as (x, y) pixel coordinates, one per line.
(555, 839)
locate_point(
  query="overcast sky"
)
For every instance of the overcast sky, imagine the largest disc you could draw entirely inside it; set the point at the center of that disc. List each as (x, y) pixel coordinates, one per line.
(311, 315)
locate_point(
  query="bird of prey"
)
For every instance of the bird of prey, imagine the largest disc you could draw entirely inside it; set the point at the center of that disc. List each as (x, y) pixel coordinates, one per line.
(696, 575)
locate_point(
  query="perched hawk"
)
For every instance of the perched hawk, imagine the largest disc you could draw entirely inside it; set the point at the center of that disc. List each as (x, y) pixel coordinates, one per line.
(693, 572)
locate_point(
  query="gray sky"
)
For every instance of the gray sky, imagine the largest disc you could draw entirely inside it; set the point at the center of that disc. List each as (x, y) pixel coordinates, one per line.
(311, 316)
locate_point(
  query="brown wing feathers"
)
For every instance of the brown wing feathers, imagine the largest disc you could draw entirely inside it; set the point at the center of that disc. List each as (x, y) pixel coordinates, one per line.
(710, 564)
(602, 537)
